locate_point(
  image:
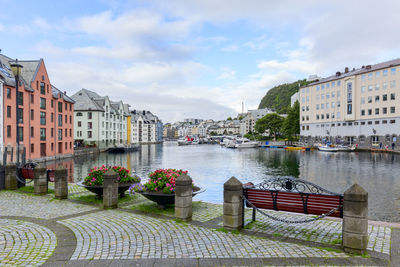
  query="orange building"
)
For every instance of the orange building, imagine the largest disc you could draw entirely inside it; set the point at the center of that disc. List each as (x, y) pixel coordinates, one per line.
(45, 114)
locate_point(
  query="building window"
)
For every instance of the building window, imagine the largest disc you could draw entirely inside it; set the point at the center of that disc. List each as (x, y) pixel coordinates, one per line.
(385, 72)
(384, 85)
(392, 121)
(43, 103)
(384, 110)
(393, 84)
(78, 114)
(20, 115)
(392, 109)
(66, 119)
(363, 123)
(362, 100)
(8, 93)
(59, 134)
(51, 117)
(384, 97)
(89, 133)
(59, 107)
(42, 134)
(370, 123)
(52, 103)
(42, 118)
(369, 87)
(349, 109)
(393, 96)
(8, 131)
(8, 111)
(369, 76)
(90, 115)
(377, 86)
(42, 88)
(70, 132)
(32, 132)
(32, 148)
(370, 99)
(393, 71)
(21, 133)
(376, 98)
(79, 124)
(66, 133)
(89, 124)
(363, 112)
(317, 117)
(369, 111)
(20, 98)
(52, 146)
(384, 122)
(59, 119)
(376, 122)
(377, 111)
(66, 106)
(377, 74)
(70, 119)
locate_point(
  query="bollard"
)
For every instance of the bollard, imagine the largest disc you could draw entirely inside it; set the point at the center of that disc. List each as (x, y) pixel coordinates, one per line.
(110, 190)
(40, 184)
(233, 204)
(10, 177)
(355, 220)
(61, 183)
(183, 197)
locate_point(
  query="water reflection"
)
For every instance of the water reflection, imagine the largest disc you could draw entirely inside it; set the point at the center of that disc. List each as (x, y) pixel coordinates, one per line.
(211, 165)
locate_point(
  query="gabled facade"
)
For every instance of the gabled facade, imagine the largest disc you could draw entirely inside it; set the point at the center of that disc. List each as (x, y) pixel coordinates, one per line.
(1, 113)
(99, 121)
(40, 107)
(146, 128)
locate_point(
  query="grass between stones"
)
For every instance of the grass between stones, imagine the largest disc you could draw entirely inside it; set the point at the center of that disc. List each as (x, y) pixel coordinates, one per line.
(30, 189)
(92, 198)
(152, 207)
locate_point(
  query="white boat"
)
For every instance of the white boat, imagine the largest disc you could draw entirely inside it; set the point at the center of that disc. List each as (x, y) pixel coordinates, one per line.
(245, 143)
(226, 140)
(231, 144)
(328, 148)
(346, 148)
(183, 142)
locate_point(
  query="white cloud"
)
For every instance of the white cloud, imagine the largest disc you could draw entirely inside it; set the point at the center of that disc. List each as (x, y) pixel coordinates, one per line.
(230, 48)
(1, 27)
(227, 74)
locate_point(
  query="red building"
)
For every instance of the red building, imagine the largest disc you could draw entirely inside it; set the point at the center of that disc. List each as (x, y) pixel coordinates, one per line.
(45, 114)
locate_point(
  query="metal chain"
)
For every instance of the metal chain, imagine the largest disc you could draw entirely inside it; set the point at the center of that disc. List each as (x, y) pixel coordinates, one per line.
(290, 221)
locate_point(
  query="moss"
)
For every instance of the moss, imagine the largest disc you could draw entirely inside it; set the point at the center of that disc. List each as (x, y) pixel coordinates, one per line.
(151, 207)
(92, 198)
(330, 249)
(221, 230)
(336, 241)
(276, 234)
(30, 189)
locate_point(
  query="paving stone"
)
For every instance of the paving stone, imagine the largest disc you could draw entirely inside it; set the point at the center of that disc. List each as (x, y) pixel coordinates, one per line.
(25, 243)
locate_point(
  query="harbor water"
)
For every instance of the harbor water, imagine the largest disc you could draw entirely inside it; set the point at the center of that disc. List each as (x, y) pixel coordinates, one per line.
(211, 165)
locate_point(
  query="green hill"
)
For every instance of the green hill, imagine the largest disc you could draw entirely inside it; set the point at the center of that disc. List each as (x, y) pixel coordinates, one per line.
(278, 97)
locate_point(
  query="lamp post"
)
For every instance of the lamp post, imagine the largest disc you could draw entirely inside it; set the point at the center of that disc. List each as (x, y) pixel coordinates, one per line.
(16, 69)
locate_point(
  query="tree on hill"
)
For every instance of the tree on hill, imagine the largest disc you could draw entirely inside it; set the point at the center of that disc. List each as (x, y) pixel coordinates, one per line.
(291, 125)
(278, 97)
(271, 122)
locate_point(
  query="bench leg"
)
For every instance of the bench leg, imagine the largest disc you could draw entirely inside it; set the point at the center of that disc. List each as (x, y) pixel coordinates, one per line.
(254, 214)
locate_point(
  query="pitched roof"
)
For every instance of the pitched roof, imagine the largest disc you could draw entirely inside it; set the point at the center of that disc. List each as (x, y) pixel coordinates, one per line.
(56, 94)
(30, 69)
(84, 101)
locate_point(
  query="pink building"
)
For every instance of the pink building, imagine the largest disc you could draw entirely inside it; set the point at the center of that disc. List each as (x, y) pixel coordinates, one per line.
(45, 114)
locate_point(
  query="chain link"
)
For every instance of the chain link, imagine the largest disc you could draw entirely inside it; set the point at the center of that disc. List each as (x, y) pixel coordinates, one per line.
(291, 221)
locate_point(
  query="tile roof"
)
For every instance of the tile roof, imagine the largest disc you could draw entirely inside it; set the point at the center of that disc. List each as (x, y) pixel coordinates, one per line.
(56, 93)
(84, 101)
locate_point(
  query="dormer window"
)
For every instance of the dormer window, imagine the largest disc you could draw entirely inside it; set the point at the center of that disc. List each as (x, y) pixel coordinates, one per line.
(43, 78)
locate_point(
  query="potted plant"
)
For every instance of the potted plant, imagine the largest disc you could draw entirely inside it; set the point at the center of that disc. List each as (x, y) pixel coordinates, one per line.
(94, 180)
(160, 187)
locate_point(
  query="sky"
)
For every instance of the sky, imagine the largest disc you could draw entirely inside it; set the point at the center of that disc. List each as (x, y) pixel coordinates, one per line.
(196, 59)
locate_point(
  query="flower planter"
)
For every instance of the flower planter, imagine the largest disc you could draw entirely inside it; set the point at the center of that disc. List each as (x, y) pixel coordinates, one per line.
(166, 199)
(98, 189)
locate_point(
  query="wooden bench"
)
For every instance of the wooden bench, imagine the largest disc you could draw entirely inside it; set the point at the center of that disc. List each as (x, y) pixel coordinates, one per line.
(293, 195)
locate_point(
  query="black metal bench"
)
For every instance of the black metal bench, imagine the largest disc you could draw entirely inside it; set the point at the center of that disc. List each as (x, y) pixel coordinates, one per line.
(293, 195)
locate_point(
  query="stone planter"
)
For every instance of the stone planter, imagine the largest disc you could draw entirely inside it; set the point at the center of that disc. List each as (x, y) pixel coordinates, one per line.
(98, 189)
(166, 199)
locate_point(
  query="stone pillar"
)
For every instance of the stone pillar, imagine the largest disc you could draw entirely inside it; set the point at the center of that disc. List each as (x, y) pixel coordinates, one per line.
(355, 220)
(233, 204)
(61, 183)
(10, 176)
(183, 197)
(40, 184)
(110, 190)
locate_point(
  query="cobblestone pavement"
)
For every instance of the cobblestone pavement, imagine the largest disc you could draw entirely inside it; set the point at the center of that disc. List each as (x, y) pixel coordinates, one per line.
(38, 229)
(323, 231)
(21, 204)
(24, 243)
(121, 235)
(72, 188)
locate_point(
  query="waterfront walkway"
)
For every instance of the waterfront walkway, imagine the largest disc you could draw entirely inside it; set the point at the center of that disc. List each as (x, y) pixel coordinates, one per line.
(39, 230)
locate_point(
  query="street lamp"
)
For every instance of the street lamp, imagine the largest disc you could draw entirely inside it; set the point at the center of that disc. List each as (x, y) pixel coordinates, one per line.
(16, 69)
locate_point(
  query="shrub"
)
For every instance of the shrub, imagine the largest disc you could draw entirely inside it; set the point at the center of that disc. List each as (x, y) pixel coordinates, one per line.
(96, 174)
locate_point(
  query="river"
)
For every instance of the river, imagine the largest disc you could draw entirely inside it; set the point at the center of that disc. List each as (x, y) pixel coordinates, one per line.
(211, 165)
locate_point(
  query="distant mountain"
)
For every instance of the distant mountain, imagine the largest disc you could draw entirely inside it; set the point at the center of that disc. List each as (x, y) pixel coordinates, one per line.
(278, 97)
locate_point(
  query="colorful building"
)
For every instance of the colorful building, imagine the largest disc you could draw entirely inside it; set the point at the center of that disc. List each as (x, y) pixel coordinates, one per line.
(45, 114)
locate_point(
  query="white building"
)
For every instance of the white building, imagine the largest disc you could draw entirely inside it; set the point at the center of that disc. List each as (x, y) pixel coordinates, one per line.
(1, 114)
(294, 98)
(99, 121)
(146, 127)
(249, 121)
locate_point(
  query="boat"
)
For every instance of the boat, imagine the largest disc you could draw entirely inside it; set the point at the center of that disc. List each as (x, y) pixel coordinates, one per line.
(297, 148)
(231, 144)
(123, 148)
(226, 140)
(346, 148)
(185, 141)
(246, 143)
(327, 148)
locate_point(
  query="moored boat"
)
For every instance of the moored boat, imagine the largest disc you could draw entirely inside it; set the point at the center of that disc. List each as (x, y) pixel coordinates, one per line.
(246, 143)
(328, 148)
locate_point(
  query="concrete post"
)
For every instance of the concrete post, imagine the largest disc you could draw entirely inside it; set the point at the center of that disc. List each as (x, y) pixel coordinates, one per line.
(233, 204)
(110, 190)
(40, 184)
(10, 177)
(355, 220)
(183, 197)
(61, 183)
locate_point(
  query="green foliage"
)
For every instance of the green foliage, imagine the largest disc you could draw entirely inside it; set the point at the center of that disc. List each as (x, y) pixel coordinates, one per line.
(151, 207)
(30, 189)
(240, 117)
(278, 97)
(291, 125)
(163, 180)
(95, 176)
(229, 119)
(272, 122)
